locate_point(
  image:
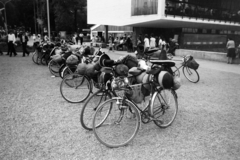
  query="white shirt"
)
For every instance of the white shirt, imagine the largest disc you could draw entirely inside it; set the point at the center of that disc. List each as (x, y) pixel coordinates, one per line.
(152, 42)
(160, 42)
(11, 37)
(146, 42)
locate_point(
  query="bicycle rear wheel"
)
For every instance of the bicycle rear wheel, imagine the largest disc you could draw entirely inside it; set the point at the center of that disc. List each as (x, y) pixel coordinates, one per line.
(191, 74)
(35, 58)
(164, 107)
(112, 125)
(43, 60)
(90, 107)
(75, 88)
(53, 68)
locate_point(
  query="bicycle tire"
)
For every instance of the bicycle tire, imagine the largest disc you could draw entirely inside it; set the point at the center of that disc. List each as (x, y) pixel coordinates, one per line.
(43, 60)
(54, 68)
(191, 74)
(75, 88)
(164, 107)
(35, 58)
(68, 70)
(90, 107)
(60, 70)
(114, 137)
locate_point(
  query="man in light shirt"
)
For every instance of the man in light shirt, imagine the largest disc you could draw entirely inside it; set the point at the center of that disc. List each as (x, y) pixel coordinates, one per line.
(11, 41)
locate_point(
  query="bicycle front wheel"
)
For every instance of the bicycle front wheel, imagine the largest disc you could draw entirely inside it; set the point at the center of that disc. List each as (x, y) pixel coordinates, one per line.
(68, 70)
(53, 68)
(116, 122)
(75, 88)
(191, 74)
(90, 107)
(164, 107)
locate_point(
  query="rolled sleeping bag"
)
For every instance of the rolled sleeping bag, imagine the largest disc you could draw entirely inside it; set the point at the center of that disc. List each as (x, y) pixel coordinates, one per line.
(165, 80)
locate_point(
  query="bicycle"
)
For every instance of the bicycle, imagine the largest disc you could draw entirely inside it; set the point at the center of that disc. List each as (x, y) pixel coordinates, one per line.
(188, 71)
(113, 114)
(109, 75)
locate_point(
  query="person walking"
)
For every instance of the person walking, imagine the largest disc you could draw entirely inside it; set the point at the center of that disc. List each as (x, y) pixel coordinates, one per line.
(230, 50)
(24, 40)
(11, 41)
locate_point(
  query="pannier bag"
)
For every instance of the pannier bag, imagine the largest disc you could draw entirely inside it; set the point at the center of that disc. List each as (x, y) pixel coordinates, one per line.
(135, 93)
(81, 68)
(165, 80)
(72, 60)
(192, 64)
(57, 58)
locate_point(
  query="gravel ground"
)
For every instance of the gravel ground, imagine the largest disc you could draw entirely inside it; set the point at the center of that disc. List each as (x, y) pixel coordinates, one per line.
(37, 123)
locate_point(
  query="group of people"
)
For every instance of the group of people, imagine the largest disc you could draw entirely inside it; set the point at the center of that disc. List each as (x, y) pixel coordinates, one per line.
(78, 38)
(11, 42)
(117, 43)
(143, 45)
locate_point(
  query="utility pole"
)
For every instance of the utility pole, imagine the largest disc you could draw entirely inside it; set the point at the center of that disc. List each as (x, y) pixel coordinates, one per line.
(35, 19)
(5, 14)
(48, 18)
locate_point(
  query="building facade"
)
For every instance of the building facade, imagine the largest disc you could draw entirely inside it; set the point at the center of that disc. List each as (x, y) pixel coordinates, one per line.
(196, 24)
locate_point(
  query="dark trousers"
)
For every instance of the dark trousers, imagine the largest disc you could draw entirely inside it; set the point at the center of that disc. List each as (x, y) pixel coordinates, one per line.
(8, 48)
(81, 40)
(11, 49)
(24, 48)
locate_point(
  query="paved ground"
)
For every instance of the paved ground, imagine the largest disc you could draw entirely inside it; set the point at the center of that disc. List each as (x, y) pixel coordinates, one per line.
(36, 122)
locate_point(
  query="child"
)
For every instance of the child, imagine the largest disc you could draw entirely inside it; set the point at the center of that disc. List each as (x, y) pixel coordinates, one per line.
(111, 44)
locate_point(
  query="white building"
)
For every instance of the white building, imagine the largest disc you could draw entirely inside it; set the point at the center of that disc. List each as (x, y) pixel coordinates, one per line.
(196, 24)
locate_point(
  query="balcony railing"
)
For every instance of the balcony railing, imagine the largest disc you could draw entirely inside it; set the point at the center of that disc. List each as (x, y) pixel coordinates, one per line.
(202, 11)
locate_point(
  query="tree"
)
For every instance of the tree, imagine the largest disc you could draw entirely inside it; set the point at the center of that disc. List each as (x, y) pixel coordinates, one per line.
(70, 14)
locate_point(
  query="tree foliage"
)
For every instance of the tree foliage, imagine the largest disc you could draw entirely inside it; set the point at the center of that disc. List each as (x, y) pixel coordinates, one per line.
(70, 14)
(67, 15)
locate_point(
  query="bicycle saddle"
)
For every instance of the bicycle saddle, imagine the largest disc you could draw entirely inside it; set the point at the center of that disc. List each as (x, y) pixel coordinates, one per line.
(169, 63)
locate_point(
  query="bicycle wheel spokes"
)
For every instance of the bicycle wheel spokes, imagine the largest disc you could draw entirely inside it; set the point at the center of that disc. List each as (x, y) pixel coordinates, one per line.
(67, 70)
(164, 108)
(91, 106)
(191, 74)
(75, 88)
(112, 125)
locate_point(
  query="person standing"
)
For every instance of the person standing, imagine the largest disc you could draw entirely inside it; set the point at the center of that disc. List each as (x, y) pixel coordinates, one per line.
(24, 40)
(110, 44)
(81, 38)
(160, 41)
(152, 41)
(230, 50)
(11, 41)
(146, 43)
